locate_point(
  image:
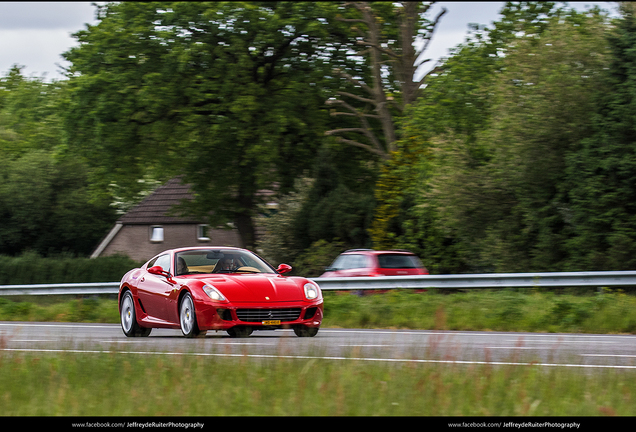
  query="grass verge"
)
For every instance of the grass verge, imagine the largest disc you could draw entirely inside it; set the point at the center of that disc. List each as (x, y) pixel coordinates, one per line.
(127, 384)
(483, 310)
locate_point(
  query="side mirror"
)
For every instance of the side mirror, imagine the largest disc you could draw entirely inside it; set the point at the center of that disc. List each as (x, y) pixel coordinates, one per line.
(329, 269)
(157, 270)
(283, 268)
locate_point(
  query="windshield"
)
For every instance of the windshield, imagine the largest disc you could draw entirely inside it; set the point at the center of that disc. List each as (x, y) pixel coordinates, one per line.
(219, 261)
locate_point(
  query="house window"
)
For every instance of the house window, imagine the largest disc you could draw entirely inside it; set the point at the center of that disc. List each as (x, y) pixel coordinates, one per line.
(156, 234)
(202, 233)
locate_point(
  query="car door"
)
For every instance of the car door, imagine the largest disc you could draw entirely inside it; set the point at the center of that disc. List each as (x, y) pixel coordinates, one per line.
(154, 290)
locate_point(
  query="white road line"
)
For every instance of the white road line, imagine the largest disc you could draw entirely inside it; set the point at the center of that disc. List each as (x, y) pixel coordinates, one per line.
(220, 342)
(77, 325)
(454, 362)
(515, 347)
(525, 336)
(609, 355)
(246, 343)
(366, 345)
(545, 347)
(556, 338)
(557, 341)
(124, 341)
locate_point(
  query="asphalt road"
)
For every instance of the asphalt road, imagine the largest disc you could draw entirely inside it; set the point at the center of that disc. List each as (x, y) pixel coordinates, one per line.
(399, 346)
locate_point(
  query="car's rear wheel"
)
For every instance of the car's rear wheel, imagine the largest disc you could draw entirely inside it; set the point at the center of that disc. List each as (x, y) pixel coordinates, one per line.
(304, 331)
(188, 318)
(129, 318)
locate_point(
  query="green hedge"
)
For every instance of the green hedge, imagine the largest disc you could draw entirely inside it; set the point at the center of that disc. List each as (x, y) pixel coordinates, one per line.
(30, 268)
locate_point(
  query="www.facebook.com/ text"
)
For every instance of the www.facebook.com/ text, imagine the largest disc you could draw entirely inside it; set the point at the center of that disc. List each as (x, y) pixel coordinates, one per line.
(140, 425)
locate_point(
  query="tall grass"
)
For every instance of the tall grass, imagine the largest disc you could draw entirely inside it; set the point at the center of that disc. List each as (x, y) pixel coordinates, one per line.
(126, 384)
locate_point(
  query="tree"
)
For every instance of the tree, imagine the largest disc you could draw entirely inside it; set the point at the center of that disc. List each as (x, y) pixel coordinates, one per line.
(454, 108)
(387, 32)
(508, 192)
(227, 94)
(338, 206)
(45, 205)
(332, 208)
(487, 190)
(29, 114)
(602, 170)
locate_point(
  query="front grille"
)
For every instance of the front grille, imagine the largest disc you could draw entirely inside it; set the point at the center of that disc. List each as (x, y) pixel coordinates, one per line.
(257, 315)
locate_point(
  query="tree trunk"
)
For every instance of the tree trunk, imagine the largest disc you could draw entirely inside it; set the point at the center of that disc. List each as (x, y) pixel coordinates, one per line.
(243, 216)
(402, 62)
(245, 226)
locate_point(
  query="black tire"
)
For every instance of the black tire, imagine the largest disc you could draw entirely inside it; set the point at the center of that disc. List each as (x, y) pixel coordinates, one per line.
(188, 318)
(240, 331)
(128, 318)
(304, 331)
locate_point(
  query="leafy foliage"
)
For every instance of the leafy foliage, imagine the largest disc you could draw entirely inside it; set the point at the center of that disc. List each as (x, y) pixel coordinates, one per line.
(602, 171)
(517, 155)
(489, 191)
(325, 215)
(45, 204)
(31, 268)
(510, 193)
(228, 94)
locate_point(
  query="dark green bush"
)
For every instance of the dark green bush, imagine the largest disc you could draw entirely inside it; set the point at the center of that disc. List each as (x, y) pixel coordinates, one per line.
(30, 268)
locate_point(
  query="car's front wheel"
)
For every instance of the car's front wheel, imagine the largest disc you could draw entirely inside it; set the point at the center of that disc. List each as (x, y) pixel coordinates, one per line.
(304, 331)
(129, 318)
(188, 318)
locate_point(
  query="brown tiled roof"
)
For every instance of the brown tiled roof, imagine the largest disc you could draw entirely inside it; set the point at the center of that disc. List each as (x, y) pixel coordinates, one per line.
(155, 208)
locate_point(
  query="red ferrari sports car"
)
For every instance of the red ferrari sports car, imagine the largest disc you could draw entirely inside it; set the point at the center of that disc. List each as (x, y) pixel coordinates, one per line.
(217, 288)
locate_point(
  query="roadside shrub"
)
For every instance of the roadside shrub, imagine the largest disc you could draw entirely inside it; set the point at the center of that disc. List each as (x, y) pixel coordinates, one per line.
(30, 268)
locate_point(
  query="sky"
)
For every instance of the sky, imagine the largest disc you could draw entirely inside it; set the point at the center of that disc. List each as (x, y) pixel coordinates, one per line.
(35, 34)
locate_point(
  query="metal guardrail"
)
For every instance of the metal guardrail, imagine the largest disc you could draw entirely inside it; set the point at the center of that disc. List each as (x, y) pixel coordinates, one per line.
(492, 280)
(465, 281)
(61, 289)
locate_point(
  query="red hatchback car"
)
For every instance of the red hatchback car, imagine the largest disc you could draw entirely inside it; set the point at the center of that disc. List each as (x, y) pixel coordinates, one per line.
(367, 262)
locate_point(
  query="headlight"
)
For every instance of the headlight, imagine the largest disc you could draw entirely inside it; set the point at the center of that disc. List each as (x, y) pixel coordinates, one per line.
(213, 293)
(311, 291)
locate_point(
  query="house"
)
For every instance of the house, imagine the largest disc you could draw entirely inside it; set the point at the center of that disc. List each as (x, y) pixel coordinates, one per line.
(149, 228)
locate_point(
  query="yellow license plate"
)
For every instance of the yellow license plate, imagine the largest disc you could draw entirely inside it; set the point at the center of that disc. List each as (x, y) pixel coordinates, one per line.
(271, 322)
